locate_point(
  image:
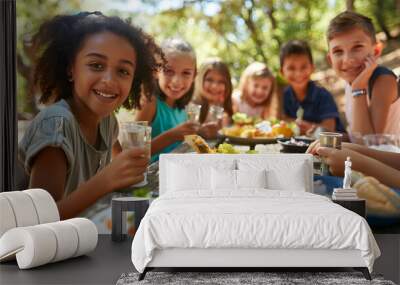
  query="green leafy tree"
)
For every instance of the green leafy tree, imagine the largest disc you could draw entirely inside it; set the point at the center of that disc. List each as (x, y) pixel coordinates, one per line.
(238, 31)
(30, 14)
(244, 31)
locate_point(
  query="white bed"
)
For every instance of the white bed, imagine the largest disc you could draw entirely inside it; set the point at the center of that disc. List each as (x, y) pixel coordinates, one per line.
(213, 212)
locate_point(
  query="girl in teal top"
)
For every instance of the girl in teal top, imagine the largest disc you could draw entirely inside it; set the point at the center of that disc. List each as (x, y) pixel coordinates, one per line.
(166, 109)
(166, 118)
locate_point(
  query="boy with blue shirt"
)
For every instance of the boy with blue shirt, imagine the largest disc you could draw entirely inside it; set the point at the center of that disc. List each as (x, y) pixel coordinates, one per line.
(311, 105)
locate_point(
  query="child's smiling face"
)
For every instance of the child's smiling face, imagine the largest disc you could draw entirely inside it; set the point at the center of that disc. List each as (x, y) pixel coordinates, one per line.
(348, 51)
(102, 73)
(214, 87)
(258, 89)
(297, 70)
(176, 79)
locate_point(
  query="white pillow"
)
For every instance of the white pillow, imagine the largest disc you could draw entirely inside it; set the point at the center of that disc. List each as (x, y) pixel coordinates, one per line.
(237, 179)
(223, 179)
(282, 173)
(186, 175)
(279, 179)
(251, 178)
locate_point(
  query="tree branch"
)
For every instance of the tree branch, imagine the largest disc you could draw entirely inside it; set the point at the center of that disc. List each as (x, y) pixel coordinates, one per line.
(380, 19)
(248, 19)
(270, 12)
(350, 5)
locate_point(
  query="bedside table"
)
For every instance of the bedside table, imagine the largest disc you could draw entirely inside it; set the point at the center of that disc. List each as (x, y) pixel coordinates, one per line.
(357, 206)
(119, 207)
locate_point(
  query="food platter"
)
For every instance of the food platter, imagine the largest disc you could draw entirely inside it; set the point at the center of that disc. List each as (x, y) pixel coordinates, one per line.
(251, 131)
(246, 141)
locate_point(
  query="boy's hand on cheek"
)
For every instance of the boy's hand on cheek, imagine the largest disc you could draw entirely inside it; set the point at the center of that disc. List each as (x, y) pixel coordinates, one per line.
(361, 81)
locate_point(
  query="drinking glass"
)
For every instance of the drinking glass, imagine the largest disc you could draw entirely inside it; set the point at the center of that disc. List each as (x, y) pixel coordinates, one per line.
(384, 142)
(329, 139)
(216, 113)
(193, 112)
(136, 134)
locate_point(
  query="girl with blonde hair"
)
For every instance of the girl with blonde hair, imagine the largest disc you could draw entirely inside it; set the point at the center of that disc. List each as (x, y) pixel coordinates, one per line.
(256, 96)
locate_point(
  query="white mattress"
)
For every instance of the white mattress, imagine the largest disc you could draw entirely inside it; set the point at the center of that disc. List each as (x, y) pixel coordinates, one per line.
(256, 218)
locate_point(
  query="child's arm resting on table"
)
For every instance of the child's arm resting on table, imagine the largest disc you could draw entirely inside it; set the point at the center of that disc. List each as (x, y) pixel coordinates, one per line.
(389, 158)
(368, 166)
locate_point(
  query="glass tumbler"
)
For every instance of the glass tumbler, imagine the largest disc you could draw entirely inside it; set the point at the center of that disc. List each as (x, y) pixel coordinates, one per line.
(216, 113)
(329, 139)
(136, 134)
(193, 112)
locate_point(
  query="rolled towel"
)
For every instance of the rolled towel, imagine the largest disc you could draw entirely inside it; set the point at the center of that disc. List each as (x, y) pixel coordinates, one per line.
(26, 208)
(87, 235)
(23, 208)
(7, 217)
(66, 238)
(37, 245)
(33, 246)
(46, 207)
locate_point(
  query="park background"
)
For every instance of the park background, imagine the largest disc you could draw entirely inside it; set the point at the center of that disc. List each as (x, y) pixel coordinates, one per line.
(238, 31)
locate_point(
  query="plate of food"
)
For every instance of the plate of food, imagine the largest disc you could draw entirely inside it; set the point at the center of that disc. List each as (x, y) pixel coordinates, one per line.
(294, 145)
(246, 140)
(199, 145)
(251, 131)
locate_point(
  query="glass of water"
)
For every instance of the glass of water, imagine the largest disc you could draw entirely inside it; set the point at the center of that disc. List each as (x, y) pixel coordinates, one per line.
(215, 113)
(193, 112)
(136, 134)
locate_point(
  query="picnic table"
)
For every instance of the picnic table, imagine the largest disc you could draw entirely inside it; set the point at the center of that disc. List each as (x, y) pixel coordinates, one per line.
(100, 213)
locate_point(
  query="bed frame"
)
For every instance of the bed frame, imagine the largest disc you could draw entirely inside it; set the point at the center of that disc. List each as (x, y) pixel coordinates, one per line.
(242, 259)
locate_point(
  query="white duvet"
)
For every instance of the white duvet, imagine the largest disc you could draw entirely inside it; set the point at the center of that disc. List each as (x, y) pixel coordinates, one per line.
(255, 218)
